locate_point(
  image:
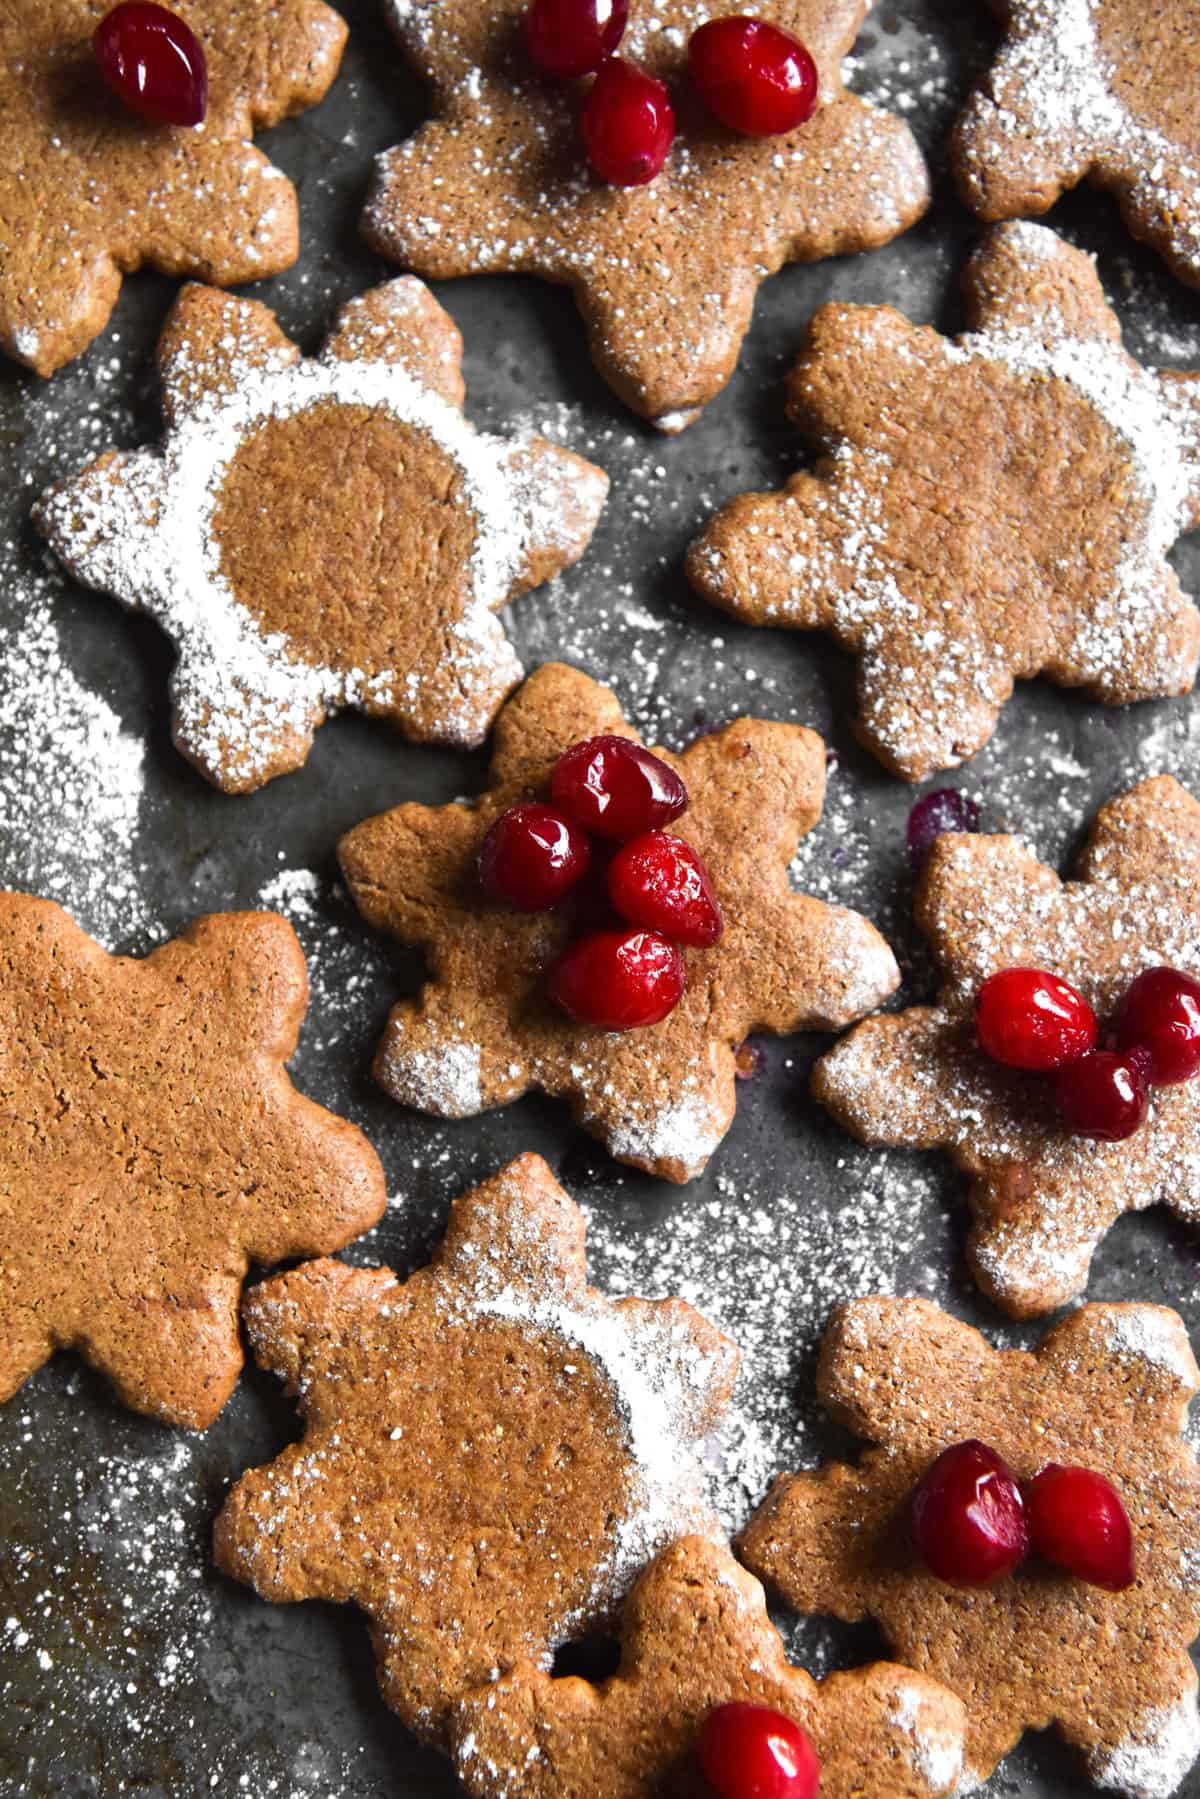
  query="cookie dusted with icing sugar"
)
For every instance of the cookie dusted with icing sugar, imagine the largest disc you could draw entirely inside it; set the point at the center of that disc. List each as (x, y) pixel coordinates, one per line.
(323, 532)
(492, 1449)
(1101, 90)
(1106, 1390)
(939, 538)
(665, 275)
(89, 191)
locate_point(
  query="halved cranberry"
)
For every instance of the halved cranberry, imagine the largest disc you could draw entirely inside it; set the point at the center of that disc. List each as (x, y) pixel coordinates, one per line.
(1161, 1018)
(660, 882)
(532, 857)
(1078, 1521)
(751, 1752)
(1027, 1018)
(619, 980)
(757, 79)
(568, 38)
(946, 809)
(153, 62)
(628, 125)
(616, 788)
(968, 1518)
(1103, 1095)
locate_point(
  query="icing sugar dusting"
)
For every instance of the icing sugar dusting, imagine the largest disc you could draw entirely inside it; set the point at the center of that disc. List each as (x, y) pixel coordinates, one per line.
(936, 1751)
(1153, 1762)
(1155, 1337)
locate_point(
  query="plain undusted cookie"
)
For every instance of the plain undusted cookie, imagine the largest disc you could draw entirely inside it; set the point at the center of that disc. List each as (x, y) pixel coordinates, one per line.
(154, 1147)
(492, 1449)
(696, 1635)
(991, 507)
(484, 1030)
(89, 191)
(1103, 90)
(323, 532)
(665, 275)
(1107, 1390)
(1043, 1200)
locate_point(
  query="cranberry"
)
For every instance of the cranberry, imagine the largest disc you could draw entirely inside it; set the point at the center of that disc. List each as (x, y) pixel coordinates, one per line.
(153, 62)
(968, 1518)
(567, 38)
(1077, 1521)
(936, 814)
(532, 857)
(757, 79)
(1103, 1095)
(1162, 1019)
(628, 125)
(616, 788)
(1027, 1018)
(659, 881)
(619, 980)
(749, 1752)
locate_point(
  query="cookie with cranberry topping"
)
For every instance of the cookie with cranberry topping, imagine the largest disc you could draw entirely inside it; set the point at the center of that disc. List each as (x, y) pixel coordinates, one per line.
(485, 1029)
(665, 274)
(938, 538)
(1108, 1390)
(492, 1450)
(155, 1148)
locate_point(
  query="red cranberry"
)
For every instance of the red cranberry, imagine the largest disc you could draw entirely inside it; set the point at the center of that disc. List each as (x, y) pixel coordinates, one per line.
(757, 79)
(749, 1752)
(1103, 1095)
(659, 881)
(1162, 1019)
(1077, 1521)
(968, 1518)
(568, 38)
(619, 980)
(628, 125)
(532, 857)
(1027, 1018)
(936, 814)
(616, 788)
(153, 62)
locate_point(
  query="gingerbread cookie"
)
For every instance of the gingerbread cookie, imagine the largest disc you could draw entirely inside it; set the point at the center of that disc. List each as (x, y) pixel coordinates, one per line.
(492, 1449)
(939, 538)
(1103, 90)
(90, 191)
(323, 532)
(484, 1030)
(664, 274)
(155, 1147)
(1107, 1390)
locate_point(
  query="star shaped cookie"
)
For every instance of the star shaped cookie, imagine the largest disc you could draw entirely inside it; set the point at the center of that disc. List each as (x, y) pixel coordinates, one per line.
(89, 191)
(323, 532)
(484, 1030)
(696, 1635)
(1108, 1390)
(1043, 1200)
(1102, 90)
(492, 1449)
(939, 538)
(665, 275)
(154, 1147)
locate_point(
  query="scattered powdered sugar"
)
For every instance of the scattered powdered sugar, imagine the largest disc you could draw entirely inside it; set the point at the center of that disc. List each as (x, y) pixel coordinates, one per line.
(1153, 1762)
(444, 1080)
(1152, 1336)
(936, 1750)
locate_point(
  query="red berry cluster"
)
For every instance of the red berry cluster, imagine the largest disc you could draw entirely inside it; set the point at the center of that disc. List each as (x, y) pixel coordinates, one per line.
(153, 62)
(971, 1523)
(754, 77)
(535, 855)
(1027, 1018)
(752, 1752)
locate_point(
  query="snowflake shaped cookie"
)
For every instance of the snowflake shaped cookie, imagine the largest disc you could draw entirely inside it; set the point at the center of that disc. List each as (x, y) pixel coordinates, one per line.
(939, 538)
(1108, 1389)
(492, 1449)
(323, 532)
(483, 1031)
(665, 275)
(89, 192)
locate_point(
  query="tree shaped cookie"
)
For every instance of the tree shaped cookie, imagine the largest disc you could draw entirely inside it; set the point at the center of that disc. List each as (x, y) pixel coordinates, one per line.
(1107, 1390)
(492, 1450)
(484, 1030)
(940, 538)
(323, 532)
(154, 1147)
(696, 1635)
(665, 275)
(89, 191)
(1043, 1199)
(1103, 90)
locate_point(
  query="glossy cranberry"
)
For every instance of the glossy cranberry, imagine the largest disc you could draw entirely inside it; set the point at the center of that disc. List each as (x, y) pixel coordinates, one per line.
(568, 38)
(1027, 1018)
(1078, 1522)
(616, 788)
(628, 125)
(532, 857)
(935, 815)
(968, 1518)
(757, 79)
(619, 980)
(1103, 1096)
(750, 1752)
(1162, 1019)
(153, 62)
(660, 882)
